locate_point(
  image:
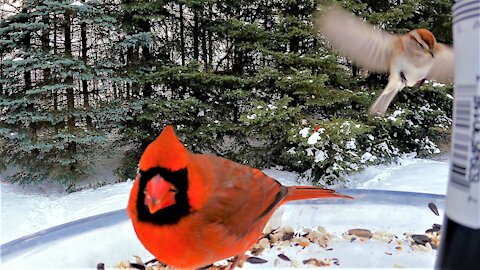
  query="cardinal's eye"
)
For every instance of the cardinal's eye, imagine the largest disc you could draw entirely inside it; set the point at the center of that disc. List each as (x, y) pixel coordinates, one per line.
(173, 189)
(420, 45)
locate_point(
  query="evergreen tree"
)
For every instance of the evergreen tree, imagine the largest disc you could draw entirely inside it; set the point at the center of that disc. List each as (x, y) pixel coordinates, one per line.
(270, 56)
(47, 130)
(249, 80)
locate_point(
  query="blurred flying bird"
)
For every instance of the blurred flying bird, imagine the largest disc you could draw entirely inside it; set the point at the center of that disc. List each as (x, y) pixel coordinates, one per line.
(410, 59)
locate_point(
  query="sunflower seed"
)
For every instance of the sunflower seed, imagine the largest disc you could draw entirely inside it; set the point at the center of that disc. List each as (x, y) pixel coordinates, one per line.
(434, 208)
(256, 260)
(137, 266)
(284, 257)
(420, 239)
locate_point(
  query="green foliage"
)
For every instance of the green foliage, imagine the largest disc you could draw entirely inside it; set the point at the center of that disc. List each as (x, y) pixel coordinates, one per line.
(248, 80)
(331, 148)
(45, 131)
(328, 149)
(266, 127)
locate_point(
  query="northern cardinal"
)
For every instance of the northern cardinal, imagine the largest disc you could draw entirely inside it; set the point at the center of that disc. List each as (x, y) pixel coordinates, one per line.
(191, 210)
(410, 58)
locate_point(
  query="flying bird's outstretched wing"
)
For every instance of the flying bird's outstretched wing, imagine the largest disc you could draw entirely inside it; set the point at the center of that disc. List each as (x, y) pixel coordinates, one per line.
(443, 65)
(367, 45)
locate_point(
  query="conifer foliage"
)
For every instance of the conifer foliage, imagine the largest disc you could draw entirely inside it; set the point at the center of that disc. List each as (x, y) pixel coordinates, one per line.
(249, 80)
(57, 88)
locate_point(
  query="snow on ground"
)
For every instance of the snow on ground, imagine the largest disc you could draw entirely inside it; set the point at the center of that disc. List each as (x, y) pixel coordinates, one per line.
(27, 210)
(406, 174)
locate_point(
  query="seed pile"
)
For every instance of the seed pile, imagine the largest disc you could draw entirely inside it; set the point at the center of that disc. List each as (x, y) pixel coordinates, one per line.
(365, 234)
(427, 241)
(277, 239)
(418, 242)
(286, 236)
(139, 264)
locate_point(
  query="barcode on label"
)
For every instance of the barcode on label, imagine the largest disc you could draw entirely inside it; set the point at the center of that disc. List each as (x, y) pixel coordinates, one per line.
(466, 139)
(475, 154)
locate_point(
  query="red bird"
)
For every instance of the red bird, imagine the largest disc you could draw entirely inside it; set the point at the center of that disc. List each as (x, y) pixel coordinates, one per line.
(191, 210)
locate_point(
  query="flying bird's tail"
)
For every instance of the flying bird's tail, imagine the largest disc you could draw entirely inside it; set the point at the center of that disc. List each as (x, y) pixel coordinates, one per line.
(379, 107)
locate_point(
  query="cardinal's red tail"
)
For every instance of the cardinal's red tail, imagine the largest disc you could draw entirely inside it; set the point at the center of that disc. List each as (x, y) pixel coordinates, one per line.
(309, 192)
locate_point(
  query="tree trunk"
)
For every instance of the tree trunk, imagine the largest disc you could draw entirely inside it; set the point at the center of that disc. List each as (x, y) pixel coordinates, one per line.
(69, 81)
(354, 71)
(147, 58)
(204, 45)
(237, 66)
(2, 91)
(266, 28)
(210, 50)
(25, 41)
(182, 34)
(55, 50)
(45, 40)
(210, 38)
(294, 40)
(195, 35)
(27, 75)
(86, 101)
(132, 60)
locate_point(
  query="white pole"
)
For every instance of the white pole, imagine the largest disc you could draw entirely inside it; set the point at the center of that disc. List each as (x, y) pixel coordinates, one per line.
(460, 241)
(463, 188)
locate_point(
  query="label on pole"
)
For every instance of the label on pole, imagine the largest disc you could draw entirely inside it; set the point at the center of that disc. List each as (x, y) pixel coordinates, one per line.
(463, 201)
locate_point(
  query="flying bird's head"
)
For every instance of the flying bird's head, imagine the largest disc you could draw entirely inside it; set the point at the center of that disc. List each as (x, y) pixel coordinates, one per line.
(163, 179)
(424, 41)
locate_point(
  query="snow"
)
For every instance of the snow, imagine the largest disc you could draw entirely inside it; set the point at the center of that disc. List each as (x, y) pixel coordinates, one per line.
(393, 117)
(351, 144)
(320, 156)
(314, 138)
(9, 8)
(437, 84)
(27, 210)
(367, 156)
(304, 132)
(76, 3)
(291, 151)
(407, 174)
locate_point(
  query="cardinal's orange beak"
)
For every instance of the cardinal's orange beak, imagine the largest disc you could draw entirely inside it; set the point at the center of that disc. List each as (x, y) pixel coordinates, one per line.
(159, 194)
